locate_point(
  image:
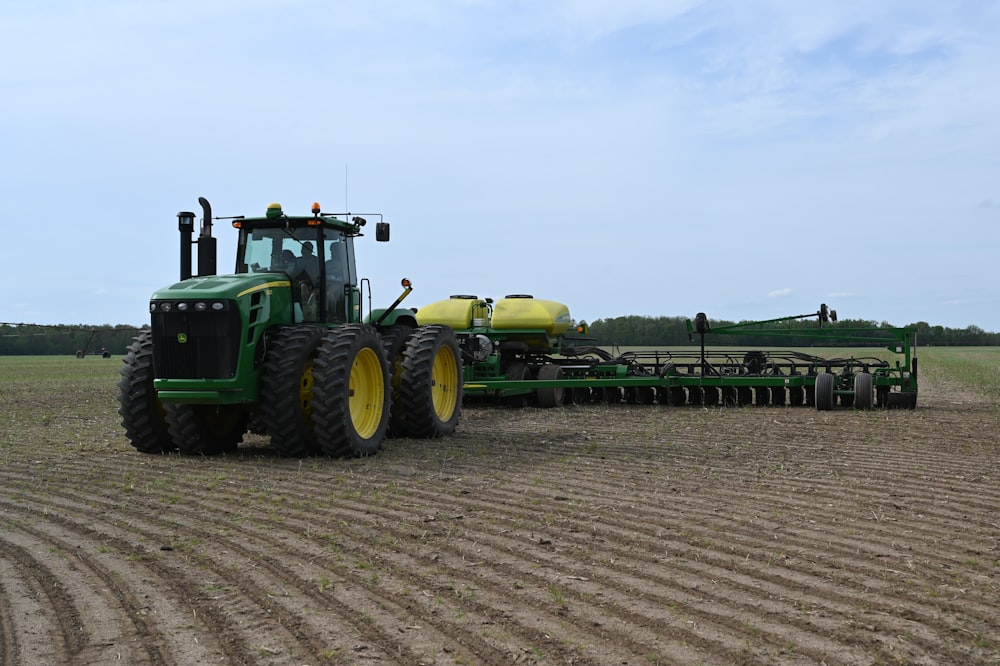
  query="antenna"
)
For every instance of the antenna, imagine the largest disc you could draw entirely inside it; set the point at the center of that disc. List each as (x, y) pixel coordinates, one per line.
(346, 209)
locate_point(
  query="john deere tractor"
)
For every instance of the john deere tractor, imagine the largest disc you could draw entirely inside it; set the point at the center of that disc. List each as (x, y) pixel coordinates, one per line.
(284, 346)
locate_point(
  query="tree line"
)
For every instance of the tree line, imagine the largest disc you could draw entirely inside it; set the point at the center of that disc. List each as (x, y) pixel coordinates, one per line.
(40, 340)
(630, 331)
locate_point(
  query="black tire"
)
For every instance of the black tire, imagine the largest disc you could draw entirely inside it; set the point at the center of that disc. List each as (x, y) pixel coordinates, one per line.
(640, 395)
(255, 424)
(824, 395)
(864, 391)
(608, 395)
(141, 411)
(429, 402)
(286, 389)
(517, 372)
(394, 342)
(578, 396)
(882, 396)
(550, 396)
(670, 395)
(351, 391)
(206, 430)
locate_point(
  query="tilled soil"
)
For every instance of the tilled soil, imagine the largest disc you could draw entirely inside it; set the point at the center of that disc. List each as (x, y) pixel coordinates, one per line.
(583, 535)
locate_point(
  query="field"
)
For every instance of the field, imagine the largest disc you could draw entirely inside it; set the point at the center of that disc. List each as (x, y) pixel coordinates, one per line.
(581, 535)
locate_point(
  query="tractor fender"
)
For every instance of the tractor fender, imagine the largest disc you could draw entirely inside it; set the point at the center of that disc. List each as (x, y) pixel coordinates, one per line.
(399, 316)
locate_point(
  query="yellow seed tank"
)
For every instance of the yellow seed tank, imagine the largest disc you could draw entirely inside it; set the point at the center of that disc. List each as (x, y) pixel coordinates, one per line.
(457, 312)
(526, 312)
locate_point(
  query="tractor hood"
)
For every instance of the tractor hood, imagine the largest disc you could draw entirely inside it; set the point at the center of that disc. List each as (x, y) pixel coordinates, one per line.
(222, 286)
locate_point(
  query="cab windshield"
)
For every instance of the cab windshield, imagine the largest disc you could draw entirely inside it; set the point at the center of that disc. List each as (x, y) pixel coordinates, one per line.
(280, 250)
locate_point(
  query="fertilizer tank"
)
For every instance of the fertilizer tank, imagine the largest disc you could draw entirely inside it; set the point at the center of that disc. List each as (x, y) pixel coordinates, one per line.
(514, 312)
(458, 312)
(520, 311)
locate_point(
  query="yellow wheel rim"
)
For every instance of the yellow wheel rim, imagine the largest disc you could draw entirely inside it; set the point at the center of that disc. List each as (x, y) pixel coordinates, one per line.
(306, 390)
(367, 393)
(444, 387)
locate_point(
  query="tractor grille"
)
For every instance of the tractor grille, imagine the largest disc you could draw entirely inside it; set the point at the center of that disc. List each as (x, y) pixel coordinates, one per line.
(191, 344)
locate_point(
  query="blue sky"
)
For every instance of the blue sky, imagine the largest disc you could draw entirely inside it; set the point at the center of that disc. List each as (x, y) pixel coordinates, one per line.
(745, 158)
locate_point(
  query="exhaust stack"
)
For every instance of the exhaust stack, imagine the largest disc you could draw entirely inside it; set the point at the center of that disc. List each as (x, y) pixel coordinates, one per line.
(185, 224)
(206, 241)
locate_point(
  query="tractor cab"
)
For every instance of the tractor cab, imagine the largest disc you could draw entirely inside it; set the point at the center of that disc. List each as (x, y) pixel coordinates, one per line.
(315, 255)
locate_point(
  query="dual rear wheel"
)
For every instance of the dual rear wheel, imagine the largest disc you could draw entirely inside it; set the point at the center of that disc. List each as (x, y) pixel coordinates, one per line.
(862, 398)
(341, 391)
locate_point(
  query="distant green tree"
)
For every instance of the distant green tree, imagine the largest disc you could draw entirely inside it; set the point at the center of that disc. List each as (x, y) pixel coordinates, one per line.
(69, 339)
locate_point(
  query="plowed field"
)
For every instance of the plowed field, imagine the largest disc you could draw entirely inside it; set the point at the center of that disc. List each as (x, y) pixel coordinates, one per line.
(582, 535)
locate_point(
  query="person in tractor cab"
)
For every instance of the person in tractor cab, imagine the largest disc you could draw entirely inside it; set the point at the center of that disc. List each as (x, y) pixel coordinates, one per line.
(285, 263)
(305, 274)
(308, 263)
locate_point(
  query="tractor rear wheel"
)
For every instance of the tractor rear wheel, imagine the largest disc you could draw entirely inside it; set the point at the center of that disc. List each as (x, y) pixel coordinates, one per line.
(141, 411)
(286, 389)
(394, 341)
(824, 395)
(206, 430)
(429, 401)
(351, 393)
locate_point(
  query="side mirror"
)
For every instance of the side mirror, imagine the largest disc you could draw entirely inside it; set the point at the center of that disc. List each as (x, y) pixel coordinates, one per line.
(382, 232)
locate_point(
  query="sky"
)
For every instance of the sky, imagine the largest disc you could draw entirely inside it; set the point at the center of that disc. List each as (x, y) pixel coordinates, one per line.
(749, 159)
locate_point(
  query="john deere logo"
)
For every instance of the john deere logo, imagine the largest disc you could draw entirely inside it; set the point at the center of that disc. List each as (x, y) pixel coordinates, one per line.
(182, 337)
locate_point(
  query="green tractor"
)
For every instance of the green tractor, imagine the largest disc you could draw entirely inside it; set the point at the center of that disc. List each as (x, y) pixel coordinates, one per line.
(283, 347)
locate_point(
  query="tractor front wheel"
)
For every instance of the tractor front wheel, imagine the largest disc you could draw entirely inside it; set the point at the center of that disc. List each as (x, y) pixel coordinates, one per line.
(286, 389)
(140, 409)
(206, 430)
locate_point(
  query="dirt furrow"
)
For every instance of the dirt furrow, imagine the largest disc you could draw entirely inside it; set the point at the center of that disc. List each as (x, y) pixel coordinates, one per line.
(330, 586)
(591, 534)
